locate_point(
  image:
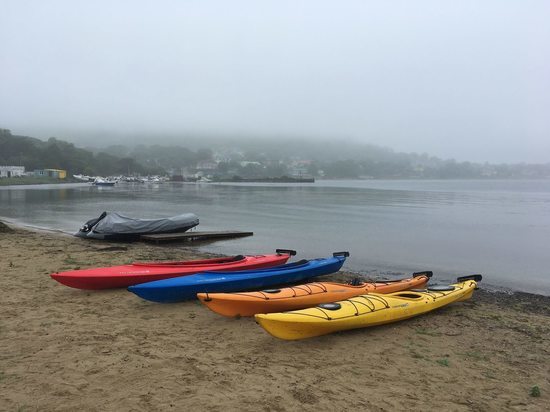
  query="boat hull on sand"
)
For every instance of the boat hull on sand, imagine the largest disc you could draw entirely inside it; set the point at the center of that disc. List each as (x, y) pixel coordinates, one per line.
(363, 311)
(187, 287)
(301, 296)
(136, 273)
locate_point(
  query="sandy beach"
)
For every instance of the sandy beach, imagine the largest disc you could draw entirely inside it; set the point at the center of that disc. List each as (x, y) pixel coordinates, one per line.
(63, 349)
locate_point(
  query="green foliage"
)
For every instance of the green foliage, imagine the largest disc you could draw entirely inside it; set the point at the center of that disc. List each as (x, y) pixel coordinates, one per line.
(535, 391)
(30, 180)
(167, 157)
(58, 154)
(443, 362)
(251, 170)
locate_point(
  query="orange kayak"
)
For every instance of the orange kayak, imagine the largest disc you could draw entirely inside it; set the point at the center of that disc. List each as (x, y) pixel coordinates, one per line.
(302, 296)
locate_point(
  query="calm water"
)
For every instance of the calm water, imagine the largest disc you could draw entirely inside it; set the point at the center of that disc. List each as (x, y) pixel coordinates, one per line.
(498, 228)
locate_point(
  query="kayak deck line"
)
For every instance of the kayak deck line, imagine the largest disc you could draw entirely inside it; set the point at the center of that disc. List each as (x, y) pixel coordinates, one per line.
(193, 236)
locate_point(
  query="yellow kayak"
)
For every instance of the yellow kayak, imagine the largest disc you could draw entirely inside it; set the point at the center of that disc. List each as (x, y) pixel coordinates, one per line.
(365, 310)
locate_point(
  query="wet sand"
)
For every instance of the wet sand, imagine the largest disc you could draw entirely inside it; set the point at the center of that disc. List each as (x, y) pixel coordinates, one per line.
(63, 349)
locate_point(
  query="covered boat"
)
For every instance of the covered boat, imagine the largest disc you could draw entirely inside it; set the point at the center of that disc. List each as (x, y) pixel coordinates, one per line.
(114, 226)
(365, 310)
(303, 296)
(135, 273)
(187, 287)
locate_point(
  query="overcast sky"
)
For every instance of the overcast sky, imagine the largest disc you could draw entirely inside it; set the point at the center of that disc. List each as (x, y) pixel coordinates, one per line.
(462, 79)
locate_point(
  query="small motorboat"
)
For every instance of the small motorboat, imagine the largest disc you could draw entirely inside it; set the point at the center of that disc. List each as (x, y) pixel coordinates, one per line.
(187, 287)
(136, 273)
(365, 310)
(114, 226)
(102, 182)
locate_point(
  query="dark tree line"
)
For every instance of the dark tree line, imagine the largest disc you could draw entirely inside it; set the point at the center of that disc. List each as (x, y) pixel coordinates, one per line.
(58, 154)
(261, 159)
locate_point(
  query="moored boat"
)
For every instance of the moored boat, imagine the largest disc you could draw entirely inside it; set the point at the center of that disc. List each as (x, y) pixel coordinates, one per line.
(303, 296)
(127, 275)
(114, 226)
(187, 287)
(103, 182)
(84, 178)
(364, 310)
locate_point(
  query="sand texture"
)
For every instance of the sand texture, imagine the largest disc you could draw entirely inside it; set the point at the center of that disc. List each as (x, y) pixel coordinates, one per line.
(63, 349)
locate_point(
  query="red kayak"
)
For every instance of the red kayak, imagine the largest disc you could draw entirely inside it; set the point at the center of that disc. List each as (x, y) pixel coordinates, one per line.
(136, 273)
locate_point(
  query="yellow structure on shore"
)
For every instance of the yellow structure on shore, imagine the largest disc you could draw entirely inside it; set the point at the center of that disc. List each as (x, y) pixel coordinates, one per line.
(57, 173)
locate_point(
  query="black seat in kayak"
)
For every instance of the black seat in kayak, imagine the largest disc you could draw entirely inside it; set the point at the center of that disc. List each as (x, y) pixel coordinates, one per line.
(440, 288)
(301, 262)
(330, 306)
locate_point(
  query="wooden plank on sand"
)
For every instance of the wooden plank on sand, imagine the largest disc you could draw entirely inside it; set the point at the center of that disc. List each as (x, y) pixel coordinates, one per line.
(191, 236)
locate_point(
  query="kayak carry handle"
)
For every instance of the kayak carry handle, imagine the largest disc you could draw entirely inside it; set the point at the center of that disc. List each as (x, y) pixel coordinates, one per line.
(427, 273)
(344, 254)
(477, 278)
(285, 251)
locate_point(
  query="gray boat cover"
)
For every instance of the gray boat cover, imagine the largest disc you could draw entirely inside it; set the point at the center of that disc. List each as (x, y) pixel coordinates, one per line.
(112, 225)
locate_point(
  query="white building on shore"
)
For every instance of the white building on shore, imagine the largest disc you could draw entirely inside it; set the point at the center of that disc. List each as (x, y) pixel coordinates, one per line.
(12, 171)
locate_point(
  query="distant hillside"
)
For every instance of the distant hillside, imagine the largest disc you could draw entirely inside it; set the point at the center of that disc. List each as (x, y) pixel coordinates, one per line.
(328, 159)
(249, 158)
(58, 154)
(172, 157)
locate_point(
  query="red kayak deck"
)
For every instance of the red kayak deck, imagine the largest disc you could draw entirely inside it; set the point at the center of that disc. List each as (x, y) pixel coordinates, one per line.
(136, 273)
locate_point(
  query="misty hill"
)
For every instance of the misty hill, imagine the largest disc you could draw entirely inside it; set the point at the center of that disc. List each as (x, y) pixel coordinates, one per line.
(58, 154)
(250, 158)
(330, 159)
(168, 158)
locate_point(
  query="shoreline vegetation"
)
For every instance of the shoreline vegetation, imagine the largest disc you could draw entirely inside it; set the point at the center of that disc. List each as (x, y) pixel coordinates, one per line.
(251, 160)
(29, 180)
(67, 349)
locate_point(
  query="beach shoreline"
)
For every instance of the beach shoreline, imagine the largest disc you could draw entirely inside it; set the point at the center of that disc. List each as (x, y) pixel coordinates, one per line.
(198, 247)
(66, 349)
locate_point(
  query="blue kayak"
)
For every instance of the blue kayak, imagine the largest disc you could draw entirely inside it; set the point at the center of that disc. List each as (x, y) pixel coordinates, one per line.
(187, 287)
